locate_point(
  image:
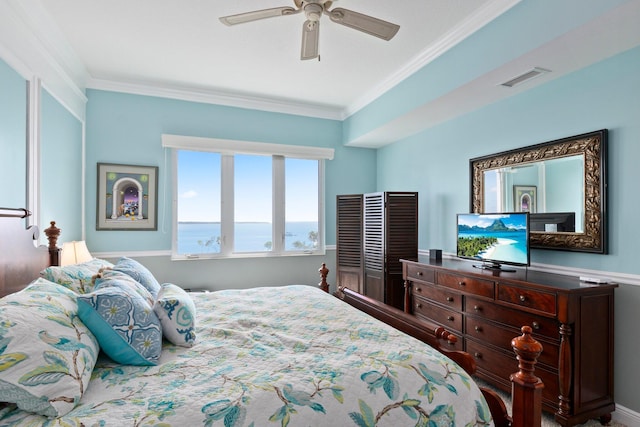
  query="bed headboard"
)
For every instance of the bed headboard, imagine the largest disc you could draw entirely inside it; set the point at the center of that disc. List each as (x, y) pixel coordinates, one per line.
(20, 259)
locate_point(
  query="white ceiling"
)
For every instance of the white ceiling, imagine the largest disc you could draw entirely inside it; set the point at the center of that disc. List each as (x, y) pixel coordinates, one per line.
(183, 45)
(179, 48)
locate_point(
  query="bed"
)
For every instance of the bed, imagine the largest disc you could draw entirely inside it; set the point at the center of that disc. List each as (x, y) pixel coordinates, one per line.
(289, 355)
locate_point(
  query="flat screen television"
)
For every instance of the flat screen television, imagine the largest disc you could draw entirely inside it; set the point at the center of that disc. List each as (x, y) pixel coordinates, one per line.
(496, 239)
(552, 222)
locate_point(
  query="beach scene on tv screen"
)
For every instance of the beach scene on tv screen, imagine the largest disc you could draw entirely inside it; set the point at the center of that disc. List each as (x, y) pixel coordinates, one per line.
(499, 237)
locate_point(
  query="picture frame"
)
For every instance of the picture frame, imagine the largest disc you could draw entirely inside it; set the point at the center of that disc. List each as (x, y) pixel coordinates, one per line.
(524, 198)
(127, 197)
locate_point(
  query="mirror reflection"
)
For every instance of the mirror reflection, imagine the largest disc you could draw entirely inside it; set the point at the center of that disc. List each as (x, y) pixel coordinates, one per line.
(550, 190)
(561, 183)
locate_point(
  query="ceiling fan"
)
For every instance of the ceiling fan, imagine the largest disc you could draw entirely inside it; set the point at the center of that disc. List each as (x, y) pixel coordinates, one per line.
(313, 10)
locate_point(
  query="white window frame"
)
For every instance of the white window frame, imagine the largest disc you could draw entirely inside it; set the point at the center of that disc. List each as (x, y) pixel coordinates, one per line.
(227, 149)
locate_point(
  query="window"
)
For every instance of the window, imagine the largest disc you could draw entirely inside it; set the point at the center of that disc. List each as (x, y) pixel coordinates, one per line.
(234, 198)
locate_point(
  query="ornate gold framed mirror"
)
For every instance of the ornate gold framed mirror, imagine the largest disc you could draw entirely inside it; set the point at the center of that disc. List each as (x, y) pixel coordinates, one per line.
(561, 183)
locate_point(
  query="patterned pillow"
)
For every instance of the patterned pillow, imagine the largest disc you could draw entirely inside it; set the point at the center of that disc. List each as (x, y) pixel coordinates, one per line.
(76, 277)
(113, 278)
(177, 313)
(47, 354)
(128, 330)
(139, 273)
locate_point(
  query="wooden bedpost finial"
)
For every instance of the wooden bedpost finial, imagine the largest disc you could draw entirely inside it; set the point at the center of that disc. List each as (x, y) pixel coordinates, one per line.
(323, 278)
(52, 233)
(527, 349)
(526, 386)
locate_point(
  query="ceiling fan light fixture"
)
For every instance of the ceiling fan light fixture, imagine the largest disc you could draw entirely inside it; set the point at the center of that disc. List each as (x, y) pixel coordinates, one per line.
(313, 11)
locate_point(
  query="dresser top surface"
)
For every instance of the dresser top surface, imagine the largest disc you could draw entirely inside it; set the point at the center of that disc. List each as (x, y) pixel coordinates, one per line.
(521, 275)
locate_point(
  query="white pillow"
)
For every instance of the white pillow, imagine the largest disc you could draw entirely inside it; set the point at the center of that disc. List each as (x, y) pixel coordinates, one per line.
(47, 354)
(177, 313)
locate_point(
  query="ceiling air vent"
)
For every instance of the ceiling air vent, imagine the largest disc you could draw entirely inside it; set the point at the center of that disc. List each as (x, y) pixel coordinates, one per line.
(531, 74)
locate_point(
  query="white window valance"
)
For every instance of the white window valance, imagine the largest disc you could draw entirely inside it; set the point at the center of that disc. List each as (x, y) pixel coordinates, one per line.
(230, 146)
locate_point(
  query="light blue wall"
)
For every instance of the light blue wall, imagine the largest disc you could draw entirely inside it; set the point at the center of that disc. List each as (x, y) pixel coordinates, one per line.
(123, 128)
(604, 95)
(61, 169)
(13, 138)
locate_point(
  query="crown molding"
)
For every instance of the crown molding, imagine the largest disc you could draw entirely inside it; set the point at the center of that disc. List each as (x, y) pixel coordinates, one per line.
(217, 97)
(473, 23)
(35, 50)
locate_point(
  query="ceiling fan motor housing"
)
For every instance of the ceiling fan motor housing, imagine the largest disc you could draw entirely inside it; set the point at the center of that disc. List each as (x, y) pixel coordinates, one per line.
(313, 10)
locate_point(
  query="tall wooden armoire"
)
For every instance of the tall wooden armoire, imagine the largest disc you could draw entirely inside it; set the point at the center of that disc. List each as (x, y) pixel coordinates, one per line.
(389, 232)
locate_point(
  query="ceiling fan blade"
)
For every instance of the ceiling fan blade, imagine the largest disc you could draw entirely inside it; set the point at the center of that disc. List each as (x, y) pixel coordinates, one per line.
(310, 37)
(365, 23)
(256, 15)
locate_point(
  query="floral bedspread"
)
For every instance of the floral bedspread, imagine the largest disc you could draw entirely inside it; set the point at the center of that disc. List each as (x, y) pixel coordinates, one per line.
(281, 356)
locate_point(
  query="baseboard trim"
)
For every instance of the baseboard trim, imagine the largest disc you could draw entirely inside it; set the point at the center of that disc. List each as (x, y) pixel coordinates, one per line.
(626, 416)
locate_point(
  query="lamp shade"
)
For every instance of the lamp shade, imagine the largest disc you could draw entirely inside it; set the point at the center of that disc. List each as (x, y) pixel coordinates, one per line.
(75, 253)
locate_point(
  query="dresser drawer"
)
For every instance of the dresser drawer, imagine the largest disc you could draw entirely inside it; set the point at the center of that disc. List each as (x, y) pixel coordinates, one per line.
(488, 332)
(441, 295)
(451, 320)
(500, 365)
(523, 297)
(542, 326)
(418, 272)
(466, 284)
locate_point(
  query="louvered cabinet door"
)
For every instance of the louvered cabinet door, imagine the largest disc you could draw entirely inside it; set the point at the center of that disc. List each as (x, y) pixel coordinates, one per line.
(374, 246)
(401, 241)
(349, 260)
(375, 231)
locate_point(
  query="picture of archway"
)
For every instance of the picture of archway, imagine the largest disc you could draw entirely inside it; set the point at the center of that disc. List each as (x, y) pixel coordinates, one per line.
(126, 197)
(127, 201)
(524, 198)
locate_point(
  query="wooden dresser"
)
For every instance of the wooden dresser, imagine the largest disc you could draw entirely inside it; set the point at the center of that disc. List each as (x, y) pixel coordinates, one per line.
(573, 321)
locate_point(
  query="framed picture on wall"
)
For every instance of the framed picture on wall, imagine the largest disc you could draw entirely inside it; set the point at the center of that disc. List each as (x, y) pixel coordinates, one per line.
(127, 197)
(524, 198)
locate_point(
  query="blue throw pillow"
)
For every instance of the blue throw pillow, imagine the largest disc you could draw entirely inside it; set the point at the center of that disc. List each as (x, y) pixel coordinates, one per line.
(139, 273)
(177, 313)
(126, 327)
(109, 277)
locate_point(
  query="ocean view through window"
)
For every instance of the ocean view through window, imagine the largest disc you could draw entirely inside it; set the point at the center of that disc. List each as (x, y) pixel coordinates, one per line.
(230, 204)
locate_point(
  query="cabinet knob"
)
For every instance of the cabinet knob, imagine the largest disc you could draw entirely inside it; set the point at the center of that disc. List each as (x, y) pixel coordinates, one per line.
(535, 325)
(450, 318)
(477, 308)
(418, 289)
(478, 329)
(477, 355)
(418, 305)
(523, 298)
(461, 283)
(419, 273)
(449, 299)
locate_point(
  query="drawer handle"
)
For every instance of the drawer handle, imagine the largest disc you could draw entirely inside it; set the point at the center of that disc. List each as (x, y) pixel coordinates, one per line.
(478, 328)
(418, 305)
(418, 289)
(450, 318)
(477, 355)
(477, 308)
(523, 298)
(449, 299)
(535, 325)
(419, 273)
(461, 283)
